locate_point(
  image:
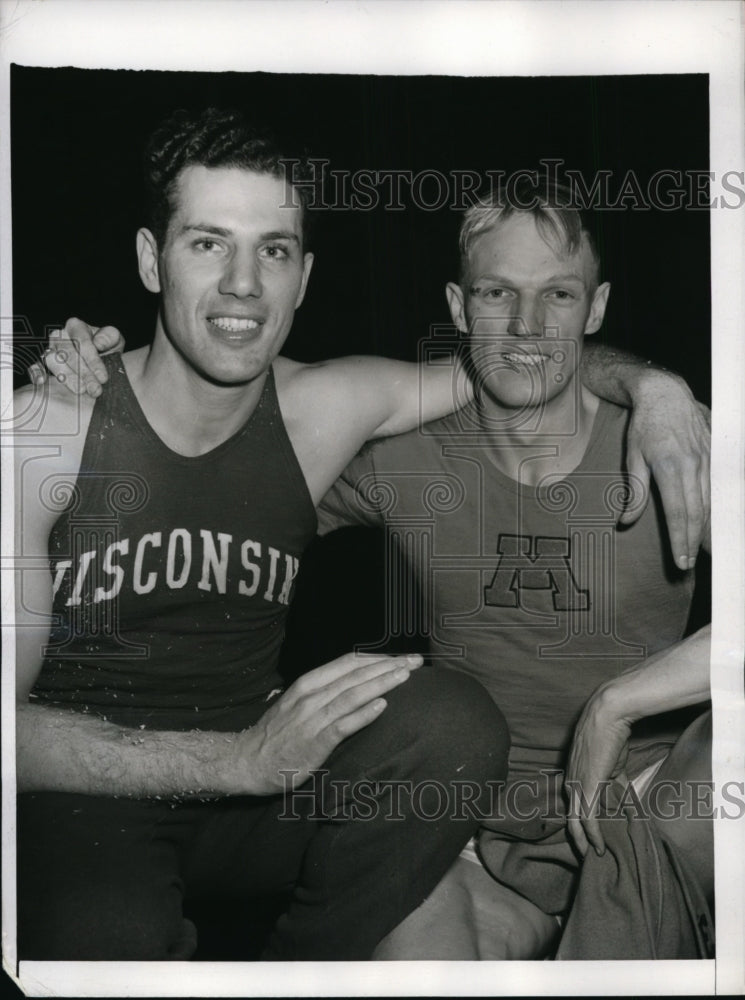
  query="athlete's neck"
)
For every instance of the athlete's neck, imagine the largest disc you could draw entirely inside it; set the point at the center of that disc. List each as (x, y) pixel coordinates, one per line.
(188, 413)
(534, 442)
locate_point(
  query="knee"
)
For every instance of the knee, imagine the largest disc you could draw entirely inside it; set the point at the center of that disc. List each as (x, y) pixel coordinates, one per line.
(455, 724)
(471, 916)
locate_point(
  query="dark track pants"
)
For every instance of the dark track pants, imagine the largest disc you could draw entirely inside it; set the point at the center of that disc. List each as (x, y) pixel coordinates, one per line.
(104, 878)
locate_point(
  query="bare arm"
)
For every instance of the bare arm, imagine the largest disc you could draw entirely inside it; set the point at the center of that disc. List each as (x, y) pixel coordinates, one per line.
(669, 436)
(385, 397)
(65, 750)
(375, 397)
(674, 678)
(669, 432)
(390, 396)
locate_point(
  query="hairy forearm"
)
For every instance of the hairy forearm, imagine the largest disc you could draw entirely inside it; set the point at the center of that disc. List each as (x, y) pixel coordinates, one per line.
(619, 376)
(674, 678)
(65, 751)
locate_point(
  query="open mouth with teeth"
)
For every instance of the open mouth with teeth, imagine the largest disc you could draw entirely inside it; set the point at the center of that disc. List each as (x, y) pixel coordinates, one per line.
(231, 324)
(532, 360)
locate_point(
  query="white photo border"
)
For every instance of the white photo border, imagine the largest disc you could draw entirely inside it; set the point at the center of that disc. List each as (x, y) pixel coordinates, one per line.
(481, 38)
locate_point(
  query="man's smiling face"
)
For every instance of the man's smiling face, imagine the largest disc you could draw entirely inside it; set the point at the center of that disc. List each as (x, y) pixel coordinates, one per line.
(527, 306)
(231, 271)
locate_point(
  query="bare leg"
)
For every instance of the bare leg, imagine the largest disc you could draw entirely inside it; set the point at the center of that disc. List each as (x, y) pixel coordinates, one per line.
(470, 916)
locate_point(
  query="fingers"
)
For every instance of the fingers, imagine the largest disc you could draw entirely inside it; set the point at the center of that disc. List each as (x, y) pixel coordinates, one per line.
(358, 706)
(340, 729)
(54, 358)
(638, 472)
(684, 505)
(583, 827)
(108, 340)
(684, 490)
(343, 684)
(698, 503)
(705, 414)
(322, 708)
(591, 826)
(672, 437)
(344, 666)
(347, 693)
(695, 541)
(703, 473)
(576, 832)
(90, 370)
(705, 476)
(61, 358)
(37, 373)
(363, 689)
(350, 698)
(677, 515)
(74, 358)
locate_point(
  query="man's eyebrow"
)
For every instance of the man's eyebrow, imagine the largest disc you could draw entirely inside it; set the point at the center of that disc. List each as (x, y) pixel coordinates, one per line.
(203, 227)
(281, 234)
(501, 279)
(565, 276)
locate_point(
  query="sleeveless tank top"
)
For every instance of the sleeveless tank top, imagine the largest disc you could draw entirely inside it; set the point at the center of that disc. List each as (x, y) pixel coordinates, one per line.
(173, 575)
(537, 593)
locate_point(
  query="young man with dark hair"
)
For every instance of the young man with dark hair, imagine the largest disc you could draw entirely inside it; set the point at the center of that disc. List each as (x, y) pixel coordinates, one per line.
(217, 137)
(166, 523)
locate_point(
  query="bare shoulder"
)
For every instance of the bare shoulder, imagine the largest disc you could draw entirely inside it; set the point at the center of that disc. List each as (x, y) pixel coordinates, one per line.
(47, 430)
(331, 408)
(49, 411)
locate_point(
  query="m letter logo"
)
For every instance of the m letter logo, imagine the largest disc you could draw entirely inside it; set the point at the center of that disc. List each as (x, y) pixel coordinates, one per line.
(527, 563)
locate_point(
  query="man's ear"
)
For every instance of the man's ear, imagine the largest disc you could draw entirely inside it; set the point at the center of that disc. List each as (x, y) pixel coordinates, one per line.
(147, 259)
(597, 309)
(307, 265)
(457, 304)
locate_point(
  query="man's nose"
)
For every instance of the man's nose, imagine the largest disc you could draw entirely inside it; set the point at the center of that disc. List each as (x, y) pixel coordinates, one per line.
(241, 277)
(527, 319)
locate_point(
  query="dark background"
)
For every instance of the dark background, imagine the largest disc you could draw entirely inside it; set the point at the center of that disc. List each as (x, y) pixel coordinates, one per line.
(379, 276)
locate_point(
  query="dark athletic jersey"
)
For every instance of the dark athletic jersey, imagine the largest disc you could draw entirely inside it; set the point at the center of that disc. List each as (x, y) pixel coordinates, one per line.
(172, 575)
(537, 593)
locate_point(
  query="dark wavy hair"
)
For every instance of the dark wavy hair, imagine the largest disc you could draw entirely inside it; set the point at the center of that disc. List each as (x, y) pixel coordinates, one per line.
(213, 137)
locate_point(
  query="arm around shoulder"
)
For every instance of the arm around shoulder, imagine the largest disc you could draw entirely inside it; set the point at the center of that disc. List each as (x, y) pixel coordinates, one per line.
(378, 397)
(669, 437)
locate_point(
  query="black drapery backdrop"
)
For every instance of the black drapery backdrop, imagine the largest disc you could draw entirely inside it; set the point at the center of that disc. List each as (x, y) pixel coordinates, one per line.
(379, 275)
